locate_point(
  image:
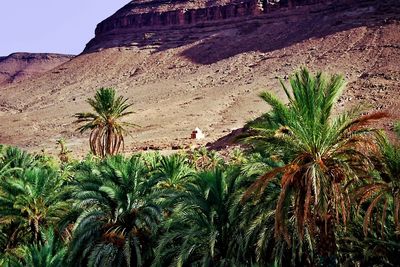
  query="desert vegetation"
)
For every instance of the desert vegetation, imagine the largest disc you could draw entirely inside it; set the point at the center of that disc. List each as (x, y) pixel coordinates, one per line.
(308, 187)
(107, 131)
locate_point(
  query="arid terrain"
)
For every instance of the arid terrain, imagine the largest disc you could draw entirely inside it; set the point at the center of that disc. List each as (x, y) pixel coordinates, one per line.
(19, 66)
(209, 75)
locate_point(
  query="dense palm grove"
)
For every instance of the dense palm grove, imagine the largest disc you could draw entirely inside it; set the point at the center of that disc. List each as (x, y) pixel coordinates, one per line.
(306, 188)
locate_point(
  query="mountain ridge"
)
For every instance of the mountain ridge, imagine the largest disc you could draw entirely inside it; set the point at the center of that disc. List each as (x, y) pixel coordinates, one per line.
(23, 65)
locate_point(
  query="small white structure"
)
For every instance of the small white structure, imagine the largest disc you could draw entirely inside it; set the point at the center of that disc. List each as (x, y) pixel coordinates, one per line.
(197, 134)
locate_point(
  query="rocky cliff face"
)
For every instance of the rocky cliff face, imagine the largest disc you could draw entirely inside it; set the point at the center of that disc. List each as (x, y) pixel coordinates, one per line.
(18, 66)
(165, 13)
(138, 20)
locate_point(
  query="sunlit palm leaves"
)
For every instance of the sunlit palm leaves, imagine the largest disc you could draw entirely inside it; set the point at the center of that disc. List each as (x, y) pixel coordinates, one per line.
(118, 217)
(204, 159)
(32, 203)
(323, 152)
(15, 161)
(173, 172)
(107, 131)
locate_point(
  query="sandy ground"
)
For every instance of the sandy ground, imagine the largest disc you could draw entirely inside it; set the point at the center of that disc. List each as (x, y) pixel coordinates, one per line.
(212, 83)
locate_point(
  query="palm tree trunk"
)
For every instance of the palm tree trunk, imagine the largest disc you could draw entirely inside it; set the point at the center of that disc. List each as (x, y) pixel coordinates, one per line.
(34, 233)
(326, 242)
(37, 237)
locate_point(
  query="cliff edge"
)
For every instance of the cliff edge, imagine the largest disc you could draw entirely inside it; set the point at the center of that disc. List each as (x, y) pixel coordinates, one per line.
(144, 22)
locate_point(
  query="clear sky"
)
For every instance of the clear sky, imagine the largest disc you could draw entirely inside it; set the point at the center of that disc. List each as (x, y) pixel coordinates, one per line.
(53, 26)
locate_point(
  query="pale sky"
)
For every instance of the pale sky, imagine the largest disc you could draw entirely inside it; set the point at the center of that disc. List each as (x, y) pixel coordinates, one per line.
(53, 26)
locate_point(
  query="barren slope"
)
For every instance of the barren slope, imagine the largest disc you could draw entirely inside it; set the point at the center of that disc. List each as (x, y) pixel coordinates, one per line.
(19, 66)
(211, 82)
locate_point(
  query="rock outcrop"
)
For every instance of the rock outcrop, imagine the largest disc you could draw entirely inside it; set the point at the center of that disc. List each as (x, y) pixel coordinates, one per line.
(139, 14)
(18, 66)
(140, 19)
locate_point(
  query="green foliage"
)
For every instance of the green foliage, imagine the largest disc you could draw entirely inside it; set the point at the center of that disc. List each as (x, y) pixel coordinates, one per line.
(118, 217)
(397, 128)
(51, 254)
(31, 200)
(107, 131)
(322, 153)
(376, 249)
(173, 172)
(198, 234)
(16, 160)
(311, 189)
(384, 188)
(30, 204)
(204, 159)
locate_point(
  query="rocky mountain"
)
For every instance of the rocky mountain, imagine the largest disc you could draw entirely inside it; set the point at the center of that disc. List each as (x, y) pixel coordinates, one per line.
(155, 22)
(19, 66)
(187, 64)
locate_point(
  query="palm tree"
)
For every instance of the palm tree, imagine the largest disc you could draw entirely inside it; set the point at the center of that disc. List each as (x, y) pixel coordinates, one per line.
(173, 172)
(63, 155)
(51, 254)
(322, 153)
(357, 249)
(237, 157)
(118, 218)
(107, 131)
(198, 233)
(204, 159)
(256, 221)
(30, 204)
(384, 189)
(17, 161)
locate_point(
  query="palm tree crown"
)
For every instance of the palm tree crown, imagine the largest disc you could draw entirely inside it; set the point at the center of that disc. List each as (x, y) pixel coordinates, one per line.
(323, 153)
(51, 254)
(199, 232)
(31, 204)
(107, 130)
(118, 217)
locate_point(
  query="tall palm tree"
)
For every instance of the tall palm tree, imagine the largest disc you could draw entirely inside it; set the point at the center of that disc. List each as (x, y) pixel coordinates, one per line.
(118, 217)
(322, 152)
(107, 131)
(255, 220)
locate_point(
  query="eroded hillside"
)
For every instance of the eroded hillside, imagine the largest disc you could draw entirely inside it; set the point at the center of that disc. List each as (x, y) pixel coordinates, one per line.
(19, 66)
